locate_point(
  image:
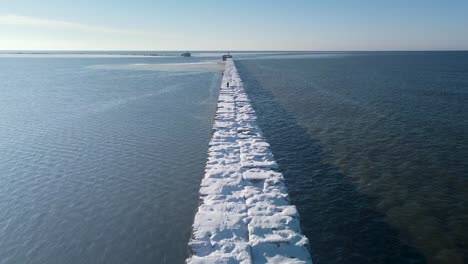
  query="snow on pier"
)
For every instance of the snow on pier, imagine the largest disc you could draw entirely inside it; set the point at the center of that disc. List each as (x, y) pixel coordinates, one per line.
(244, 214)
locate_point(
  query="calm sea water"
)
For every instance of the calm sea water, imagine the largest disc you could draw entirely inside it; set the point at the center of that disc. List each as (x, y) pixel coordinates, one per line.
(374, 149)
(100, 166)
(101, 155)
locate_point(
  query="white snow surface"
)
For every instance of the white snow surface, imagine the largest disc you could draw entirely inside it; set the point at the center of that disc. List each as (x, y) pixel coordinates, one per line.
(244, 214)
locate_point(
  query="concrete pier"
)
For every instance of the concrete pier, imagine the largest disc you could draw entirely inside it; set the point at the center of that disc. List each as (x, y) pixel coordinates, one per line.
(244, 214)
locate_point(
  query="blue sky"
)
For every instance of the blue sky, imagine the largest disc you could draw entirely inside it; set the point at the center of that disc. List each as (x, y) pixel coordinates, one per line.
(233, 25)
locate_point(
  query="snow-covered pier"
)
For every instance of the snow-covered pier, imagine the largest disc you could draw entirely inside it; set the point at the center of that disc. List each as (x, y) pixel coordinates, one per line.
(244, 214)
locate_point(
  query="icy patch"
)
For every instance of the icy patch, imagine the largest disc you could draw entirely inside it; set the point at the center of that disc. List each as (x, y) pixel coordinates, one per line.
(204, 66)
(244, 214)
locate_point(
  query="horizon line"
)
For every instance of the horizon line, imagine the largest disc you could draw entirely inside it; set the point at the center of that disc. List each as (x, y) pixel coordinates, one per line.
(230, 50)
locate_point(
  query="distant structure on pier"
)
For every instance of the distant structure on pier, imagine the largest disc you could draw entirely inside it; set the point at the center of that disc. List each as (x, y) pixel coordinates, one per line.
(186, 54)
(227, 56)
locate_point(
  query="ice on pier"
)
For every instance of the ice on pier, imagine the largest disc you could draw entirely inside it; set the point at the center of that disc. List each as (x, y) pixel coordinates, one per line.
(244, 214)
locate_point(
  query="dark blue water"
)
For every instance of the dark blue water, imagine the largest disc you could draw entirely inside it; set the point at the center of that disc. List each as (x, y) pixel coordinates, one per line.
(374, 148)
(101, 156)
(99, 165)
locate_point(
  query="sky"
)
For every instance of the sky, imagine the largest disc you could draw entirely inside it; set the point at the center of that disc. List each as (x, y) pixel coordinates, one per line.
(233, 25)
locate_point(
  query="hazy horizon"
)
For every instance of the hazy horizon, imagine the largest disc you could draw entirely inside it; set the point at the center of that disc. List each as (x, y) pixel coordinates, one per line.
(189, 50)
